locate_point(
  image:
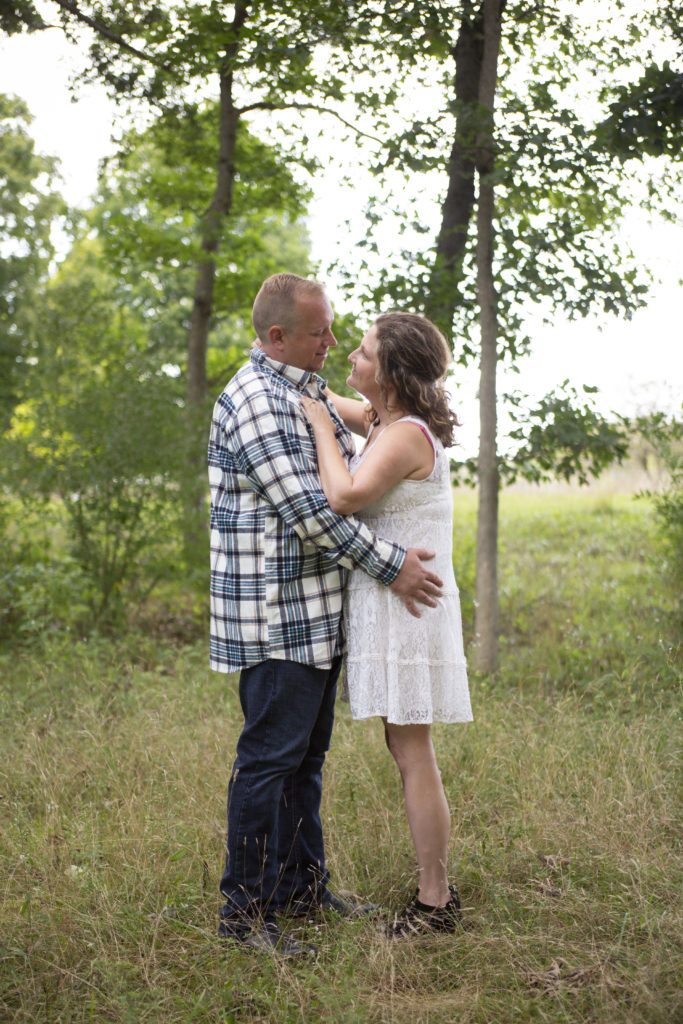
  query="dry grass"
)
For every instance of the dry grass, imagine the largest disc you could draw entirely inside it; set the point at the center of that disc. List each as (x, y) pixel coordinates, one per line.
(563, 793)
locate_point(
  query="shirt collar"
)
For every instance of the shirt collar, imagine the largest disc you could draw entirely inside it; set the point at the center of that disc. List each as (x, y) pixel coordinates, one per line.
(299, 378)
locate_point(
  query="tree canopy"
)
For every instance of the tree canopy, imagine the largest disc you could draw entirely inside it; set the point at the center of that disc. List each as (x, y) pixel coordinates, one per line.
(207, 195)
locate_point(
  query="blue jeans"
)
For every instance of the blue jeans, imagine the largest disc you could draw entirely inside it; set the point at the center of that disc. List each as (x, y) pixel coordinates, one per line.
(275, 851)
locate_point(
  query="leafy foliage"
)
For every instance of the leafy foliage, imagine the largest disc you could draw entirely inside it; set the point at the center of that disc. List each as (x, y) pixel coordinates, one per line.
(101, 424)
(259, 56)
(42, 588)
(560, 194)
(647, 117)
(563, 437)
(102, 430)
(19, 16)
(664, 435)
(28, 209)
(118, 330)
(153, 52)
(148, 213)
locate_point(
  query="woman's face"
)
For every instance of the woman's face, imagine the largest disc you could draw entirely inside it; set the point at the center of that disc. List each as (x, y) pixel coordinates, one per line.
(364, 367)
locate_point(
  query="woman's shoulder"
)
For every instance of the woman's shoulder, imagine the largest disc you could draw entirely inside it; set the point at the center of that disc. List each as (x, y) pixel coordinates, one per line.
(424, 427)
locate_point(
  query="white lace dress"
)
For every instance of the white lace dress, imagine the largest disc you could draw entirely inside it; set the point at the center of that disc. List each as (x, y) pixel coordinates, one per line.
(406, 669)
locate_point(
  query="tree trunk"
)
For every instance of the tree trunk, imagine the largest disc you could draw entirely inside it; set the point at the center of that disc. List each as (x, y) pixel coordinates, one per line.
(202, 308)
(485, 657)
(444, 293)
(206, 269)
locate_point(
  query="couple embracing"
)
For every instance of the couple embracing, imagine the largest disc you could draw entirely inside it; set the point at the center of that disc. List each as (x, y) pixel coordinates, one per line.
(319, 553)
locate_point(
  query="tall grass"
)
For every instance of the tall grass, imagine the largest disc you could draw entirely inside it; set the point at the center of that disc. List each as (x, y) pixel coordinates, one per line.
(563, 795)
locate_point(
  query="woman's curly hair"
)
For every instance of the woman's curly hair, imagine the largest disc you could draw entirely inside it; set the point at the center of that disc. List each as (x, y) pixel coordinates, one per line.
(412, 361)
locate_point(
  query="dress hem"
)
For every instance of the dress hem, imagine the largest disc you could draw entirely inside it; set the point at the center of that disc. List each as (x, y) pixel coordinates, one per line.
(430, 721)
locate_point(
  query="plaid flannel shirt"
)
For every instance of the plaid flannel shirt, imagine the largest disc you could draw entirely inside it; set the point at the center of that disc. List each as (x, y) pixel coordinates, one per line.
(279, 555)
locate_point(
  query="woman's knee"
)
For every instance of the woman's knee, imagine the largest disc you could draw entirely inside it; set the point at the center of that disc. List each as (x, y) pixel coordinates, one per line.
(409, 744)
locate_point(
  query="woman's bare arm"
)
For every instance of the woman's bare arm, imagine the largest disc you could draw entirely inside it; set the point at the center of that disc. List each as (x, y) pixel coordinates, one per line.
(351, 410)
(403, 451)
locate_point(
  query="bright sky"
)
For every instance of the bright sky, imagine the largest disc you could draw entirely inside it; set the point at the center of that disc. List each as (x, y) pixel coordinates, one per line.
(636, 365)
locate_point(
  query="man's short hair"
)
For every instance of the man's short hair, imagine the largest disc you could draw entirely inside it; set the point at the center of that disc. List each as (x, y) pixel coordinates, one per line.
(276, 302)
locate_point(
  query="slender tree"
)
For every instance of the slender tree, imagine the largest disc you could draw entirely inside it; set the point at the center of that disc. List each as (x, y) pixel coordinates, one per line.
(486, 616)
(560, 197)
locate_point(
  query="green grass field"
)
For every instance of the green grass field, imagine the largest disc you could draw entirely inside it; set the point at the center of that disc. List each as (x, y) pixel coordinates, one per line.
(564, 793)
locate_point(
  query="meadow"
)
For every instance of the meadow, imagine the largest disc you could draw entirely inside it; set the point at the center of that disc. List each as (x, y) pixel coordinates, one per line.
(565, 797)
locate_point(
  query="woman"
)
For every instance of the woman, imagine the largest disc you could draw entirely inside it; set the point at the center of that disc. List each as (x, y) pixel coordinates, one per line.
(409, 670)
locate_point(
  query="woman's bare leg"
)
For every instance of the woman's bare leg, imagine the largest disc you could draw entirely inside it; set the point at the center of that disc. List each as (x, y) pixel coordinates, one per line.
(426, 807)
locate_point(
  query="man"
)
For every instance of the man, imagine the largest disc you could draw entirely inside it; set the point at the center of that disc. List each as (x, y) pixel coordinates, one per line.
(279, 561)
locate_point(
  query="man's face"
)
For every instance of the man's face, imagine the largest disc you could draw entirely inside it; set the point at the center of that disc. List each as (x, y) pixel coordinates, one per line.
(305, 345)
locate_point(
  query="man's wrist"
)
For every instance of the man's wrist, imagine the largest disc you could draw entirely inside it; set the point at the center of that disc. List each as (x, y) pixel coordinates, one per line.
(388, 561)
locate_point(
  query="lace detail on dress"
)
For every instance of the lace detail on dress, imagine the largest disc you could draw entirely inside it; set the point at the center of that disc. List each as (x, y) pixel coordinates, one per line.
(406, 669)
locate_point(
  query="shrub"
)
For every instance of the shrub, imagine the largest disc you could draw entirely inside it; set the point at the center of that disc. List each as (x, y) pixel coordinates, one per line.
(41, 589)
(664, 436)
(114, 454)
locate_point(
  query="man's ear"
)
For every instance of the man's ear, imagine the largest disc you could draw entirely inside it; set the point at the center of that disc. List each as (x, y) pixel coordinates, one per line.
(276, 336)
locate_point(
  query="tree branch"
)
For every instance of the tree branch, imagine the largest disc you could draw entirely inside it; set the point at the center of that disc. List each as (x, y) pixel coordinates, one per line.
(107, 33)
(309, 106)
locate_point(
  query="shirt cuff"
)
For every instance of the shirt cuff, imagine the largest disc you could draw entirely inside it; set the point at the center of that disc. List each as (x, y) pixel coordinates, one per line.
(383, 561)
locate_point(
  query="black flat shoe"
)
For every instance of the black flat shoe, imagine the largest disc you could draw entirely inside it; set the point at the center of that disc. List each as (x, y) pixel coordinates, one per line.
(420, 918)
(266, 937)
(342, 907)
